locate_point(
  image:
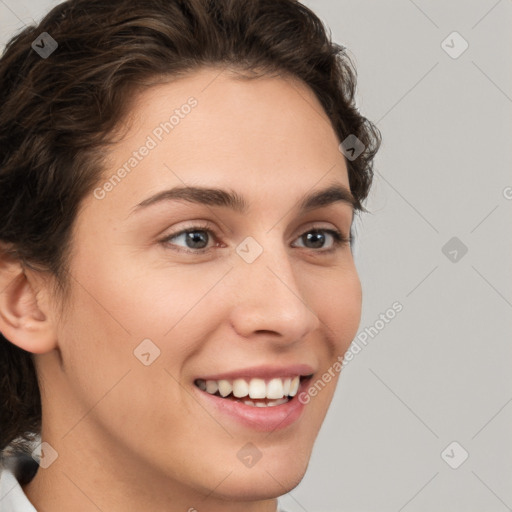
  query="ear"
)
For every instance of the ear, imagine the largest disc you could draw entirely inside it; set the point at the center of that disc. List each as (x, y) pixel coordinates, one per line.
(25, 318)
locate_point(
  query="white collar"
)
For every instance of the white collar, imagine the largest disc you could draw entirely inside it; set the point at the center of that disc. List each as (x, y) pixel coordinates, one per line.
(12, 497)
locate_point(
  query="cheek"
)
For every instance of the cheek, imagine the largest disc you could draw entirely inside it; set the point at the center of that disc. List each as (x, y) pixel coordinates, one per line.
(145, 299)
(104, 339)
(107, 382)
(95, 343)
(338, 305)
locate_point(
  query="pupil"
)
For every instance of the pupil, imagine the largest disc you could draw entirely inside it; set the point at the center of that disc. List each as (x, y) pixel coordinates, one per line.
(314, 234)
(194, 238)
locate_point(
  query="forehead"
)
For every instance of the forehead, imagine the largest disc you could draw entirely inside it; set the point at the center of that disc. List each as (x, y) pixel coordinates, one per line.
(267, 135)
(265, 114)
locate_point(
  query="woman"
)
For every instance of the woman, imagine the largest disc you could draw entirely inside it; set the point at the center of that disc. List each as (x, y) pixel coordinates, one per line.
(179, 181)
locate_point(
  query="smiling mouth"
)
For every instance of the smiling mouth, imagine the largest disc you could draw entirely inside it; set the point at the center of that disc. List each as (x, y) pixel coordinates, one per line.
(254, 392)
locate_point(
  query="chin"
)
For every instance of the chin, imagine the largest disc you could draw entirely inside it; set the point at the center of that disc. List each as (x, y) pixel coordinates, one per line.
(263, 487)
(264, 481)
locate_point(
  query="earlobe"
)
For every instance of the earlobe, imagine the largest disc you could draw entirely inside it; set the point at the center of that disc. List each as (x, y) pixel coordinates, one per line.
(24, 318)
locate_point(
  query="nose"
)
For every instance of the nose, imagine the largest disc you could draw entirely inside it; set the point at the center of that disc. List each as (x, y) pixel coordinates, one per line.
(269, 299)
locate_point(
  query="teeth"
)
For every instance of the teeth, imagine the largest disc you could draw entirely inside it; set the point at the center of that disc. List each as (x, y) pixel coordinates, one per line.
(240, 388)
(294, 386)
(257, 388)
(286, 386)
(224, 388)
(266, 404)
(276, 389)
(278, 402)
(211, 387)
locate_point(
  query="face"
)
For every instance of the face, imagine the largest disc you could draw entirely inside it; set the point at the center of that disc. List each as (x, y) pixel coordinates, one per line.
(181, 298)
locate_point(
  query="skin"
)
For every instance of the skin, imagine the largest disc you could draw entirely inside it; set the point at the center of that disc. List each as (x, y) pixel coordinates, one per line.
(131, 437)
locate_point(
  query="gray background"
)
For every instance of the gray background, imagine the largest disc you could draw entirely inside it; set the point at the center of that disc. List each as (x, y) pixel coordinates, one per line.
(439, 372)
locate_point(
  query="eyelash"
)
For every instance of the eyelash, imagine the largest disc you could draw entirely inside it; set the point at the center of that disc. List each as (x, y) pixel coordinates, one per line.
(339, 238)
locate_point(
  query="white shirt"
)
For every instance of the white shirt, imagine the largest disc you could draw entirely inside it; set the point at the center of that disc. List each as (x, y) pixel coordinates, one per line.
(12, 497)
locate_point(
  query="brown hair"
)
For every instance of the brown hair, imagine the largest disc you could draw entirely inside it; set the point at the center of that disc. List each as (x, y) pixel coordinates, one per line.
(58, 113)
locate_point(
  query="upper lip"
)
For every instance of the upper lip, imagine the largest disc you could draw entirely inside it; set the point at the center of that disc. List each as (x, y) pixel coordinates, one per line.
(262, 372)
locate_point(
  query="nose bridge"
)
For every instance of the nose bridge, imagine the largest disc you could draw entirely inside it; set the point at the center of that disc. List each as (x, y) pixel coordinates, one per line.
(269, 296)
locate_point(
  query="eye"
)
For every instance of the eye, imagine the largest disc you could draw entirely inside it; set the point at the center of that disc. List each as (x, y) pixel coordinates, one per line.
(196, 238)
(316, 237)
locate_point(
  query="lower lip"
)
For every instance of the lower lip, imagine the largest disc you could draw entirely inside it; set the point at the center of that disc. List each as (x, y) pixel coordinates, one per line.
(262, 419)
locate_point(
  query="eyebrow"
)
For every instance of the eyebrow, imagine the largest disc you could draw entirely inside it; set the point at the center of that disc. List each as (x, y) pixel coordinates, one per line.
(231, 199)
